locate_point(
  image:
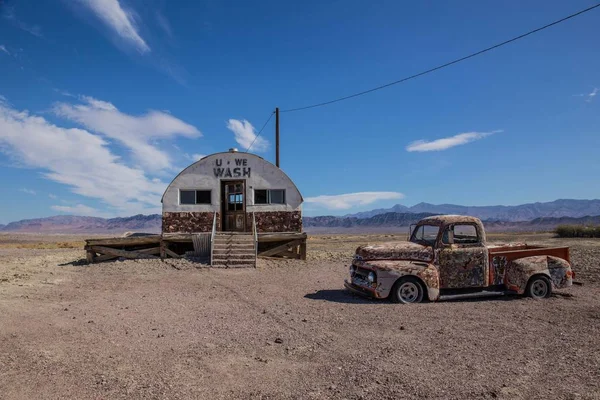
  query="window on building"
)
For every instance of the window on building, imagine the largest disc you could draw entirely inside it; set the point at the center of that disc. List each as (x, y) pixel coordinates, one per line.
(203, 197)
(277, 196)
(194, 197)
(187, 197)
(260, 197)
(235, 202)
(269, 196)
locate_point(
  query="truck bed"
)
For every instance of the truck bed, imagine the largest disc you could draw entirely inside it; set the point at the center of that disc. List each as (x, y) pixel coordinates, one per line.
(500, 256)
(520, 250)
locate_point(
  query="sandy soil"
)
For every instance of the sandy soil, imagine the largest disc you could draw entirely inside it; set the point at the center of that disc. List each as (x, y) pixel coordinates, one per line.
(146, 330)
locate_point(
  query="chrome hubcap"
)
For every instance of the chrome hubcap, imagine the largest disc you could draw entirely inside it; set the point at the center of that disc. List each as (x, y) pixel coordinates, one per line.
(539, 288)
(408, 292)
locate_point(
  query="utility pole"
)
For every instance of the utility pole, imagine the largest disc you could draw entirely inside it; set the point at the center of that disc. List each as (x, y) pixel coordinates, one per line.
(277, 136)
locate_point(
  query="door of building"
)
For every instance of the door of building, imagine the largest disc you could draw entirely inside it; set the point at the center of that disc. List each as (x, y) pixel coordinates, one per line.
(233, 205)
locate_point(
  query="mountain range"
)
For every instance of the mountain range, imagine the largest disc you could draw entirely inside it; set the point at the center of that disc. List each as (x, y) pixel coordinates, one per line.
(76, 224)
(389, 222)
(534, 216)
(524, 212)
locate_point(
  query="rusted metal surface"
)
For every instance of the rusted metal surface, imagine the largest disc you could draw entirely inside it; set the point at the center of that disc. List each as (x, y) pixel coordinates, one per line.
(396, 251)
(445, 221)
(450, 265)
(507, 258)
(519, 271)
(497, 270)
(188, 222)
(498, 248)
(560, 271)
(462, 267)
(514, 252)
(389, 271)
(450, 219)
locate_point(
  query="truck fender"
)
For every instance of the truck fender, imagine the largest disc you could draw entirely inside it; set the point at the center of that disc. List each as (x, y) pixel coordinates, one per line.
(519, 271)
(390, 271)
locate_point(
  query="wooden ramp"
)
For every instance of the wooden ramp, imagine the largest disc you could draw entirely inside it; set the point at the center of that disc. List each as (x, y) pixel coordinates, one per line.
(135, 247)
(289, 245)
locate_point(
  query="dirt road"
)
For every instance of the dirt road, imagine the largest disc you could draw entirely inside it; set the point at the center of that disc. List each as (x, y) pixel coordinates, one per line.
(286, 330)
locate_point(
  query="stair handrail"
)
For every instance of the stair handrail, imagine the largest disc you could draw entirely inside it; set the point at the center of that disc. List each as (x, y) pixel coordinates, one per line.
(255, 233)
(212, 237)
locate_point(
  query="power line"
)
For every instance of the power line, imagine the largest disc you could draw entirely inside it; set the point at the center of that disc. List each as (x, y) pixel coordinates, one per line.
(259, 132)
(446, 64)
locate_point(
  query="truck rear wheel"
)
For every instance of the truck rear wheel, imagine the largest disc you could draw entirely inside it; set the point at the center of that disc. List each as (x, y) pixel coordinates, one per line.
(407, 291)
(539, 287)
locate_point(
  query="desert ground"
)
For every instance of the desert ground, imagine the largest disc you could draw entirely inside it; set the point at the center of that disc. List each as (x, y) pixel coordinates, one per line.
(285, 330)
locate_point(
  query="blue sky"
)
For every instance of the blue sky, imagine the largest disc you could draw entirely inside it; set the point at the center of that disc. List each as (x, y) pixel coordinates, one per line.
(105, 101)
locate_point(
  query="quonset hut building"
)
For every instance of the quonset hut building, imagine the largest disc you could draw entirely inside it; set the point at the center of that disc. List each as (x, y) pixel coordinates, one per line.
(236, 189)
(227, 207)
(230, 201)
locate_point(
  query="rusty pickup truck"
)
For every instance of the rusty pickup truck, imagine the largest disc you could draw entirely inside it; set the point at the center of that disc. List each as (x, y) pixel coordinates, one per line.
(447, 256)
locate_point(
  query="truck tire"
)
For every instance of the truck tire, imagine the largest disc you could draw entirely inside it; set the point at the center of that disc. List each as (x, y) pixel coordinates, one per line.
(407, 290)
(539, 287)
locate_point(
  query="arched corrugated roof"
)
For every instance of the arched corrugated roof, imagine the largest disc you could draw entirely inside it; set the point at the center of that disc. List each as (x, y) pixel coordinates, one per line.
(203, 159)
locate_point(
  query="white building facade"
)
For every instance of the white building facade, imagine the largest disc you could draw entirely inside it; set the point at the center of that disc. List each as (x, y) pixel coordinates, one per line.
(237, 188)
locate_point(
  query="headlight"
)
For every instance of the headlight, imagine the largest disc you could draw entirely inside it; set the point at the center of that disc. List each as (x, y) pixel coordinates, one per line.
(352, 270)
(371, 277)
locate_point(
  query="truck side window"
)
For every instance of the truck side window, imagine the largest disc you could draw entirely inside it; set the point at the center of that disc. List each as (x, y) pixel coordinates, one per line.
(425, 234)
(460, 234)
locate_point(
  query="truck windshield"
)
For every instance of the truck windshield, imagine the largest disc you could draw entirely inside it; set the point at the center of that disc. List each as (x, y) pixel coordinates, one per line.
(425, 234)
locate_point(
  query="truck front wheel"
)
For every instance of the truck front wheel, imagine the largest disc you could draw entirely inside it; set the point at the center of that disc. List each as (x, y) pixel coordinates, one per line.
(539, 287)
(407, 291)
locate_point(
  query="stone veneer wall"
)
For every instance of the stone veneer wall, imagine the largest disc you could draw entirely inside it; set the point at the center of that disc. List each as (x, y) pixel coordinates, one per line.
(266, 221)
(277, 221)
(189, 222)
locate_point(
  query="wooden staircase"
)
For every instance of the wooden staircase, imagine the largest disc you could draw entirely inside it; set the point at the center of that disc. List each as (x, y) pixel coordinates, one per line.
(234, 250)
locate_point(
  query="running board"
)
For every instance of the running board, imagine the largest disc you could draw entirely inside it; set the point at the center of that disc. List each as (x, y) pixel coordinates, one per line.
(472, 295)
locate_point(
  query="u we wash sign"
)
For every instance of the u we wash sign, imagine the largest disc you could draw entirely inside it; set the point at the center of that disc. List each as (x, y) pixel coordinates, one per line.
(239, 169)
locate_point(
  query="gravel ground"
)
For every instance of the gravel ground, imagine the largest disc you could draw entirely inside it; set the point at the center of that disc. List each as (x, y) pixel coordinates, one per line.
(286, 330)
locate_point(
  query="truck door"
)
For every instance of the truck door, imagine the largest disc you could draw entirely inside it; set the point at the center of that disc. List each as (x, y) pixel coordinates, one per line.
(462, 257)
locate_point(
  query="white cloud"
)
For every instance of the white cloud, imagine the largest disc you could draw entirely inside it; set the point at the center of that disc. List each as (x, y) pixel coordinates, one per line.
(79, 209)
(349, 200)
(592, 94)
(3, 48)
(28, 191)
(134, 132)
(53, 196)
(163, 22)
(589, 96)
(78, 159)
(122, 21)
(63, 92)
(9, 14)
(446, 143)
(245, 135)
(194, 157)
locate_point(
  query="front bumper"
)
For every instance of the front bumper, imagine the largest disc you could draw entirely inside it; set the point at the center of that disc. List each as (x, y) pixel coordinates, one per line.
(361, 290)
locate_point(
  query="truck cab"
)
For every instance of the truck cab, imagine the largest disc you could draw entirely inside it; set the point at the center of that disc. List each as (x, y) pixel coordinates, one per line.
(448, 256)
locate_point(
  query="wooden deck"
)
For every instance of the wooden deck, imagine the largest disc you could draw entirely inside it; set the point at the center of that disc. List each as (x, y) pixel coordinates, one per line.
(169, 245)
